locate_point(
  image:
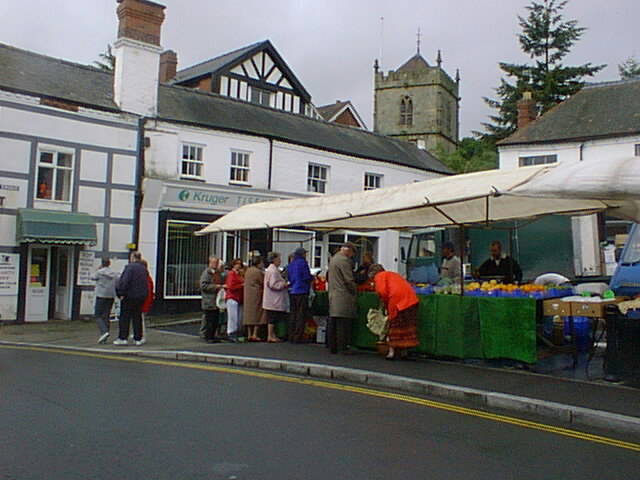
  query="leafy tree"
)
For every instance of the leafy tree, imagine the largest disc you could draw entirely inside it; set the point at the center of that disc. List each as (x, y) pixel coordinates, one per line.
(629, 69)
(546, 38)
(472, 155)
(107, 62)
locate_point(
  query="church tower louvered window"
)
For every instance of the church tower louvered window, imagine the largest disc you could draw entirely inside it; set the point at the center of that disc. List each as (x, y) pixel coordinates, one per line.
(406, 111)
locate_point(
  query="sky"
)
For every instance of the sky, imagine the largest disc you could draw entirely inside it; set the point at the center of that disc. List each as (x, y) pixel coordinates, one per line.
(331, 44)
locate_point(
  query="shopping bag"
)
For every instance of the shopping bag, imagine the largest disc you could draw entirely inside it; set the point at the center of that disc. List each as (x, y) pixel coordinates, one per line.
(220, 303)
(377, 322)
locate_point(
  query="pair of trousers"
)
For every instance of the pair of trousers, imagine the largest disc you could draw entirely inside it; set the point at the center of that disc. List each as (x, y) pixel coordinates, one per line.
(211, 320)
(102, 313)
(234, 317)
(297, 316)
(339, 334)
(130, 312)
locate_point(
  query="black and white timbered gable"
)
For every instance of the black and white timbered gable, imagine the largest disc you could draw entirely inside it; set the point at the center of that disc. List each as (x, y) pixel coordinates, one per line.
(256, 73)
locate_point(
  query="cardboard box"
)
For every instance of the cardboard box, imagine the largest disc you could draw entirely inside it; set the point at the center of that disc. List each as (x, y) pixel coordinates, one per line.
(555, 306)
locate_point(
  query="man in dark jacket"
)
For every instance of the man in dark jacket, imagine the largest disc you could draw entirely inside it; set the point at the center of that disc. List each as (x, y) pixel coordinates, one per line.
(500, 265)
(299, 284)
(132, 288)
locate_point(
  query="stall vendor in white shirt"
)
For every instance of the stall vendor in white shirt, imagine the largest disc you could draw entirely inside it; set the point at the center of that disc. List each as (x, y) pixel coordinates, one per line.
(450, 263)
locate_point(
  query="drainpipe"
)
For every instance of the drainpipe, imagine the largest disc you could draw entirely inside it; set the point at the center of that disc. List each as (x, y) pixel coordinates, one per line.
(581, 150)
(270, 163)
(140, 169)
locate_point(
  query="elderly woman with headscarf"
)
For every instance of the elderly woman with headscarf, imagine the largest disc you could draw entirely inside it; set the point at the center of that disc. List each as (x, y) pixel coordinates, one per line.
(401, 303)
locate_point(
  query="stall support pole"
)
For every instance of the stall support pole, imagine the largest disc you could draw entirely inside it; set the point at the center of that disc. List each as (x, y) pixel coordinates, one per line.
(461, 249)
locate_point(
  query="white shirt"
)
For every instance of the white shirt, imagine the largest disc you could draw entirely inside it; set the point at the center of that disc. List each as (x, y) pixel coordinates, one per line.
(451, 268)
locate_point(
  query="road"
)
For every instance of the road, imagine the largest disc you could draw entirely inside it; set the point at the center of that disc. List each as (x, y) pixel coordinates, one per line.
(73, 416)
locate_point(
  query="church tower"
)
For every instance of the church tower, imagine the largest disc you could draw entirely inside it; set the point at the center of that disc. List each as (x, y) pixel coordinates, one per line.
(418, 103)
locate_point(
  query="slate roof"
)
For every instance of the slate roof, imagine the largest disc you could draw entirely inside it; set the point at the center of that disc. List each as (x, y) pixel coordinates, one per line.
(26, 72)
(608, 109)
(213, 65)
(22, 71)
(215, 111)
(227, 61)
(329, 111)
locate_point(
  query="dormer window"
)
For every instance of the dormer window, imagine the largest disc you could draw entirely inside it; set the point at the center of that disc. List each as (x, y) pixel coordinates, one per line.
(406, 111)
(260, 96)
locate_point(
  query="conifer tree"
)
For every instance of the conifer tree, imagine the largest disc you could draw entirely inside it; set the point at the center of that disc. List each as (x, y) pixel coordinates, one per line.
(629, 69)
(547, 38)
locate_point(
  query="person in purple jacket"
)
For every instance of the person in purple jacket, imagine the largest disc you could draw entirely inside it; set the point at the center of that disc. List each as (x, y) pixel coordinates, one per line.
(300, 279)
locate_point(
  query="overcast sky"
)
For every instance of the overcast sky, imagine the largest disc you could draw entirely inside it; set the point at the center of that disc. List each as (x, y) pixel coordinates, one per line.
(331, 45)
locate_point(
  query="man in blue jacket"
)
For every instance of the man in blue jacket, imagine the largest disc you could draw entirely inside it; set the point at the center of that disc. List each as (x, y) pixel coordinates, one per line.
(300, 282)
(132, 288)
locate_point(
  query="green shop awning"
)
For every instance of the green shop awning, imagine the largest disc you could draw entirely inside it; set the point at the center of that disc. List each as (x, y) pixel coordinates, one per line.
(52, 226)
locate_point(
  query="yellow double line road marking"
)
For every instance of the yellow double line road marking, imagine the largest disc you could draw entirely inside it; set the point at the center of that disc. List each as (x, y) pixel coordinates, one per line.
(352, 389)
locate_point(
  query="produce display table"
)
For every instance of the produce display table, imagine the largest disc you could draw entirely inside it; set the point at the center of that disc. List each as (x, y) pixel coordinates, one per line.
(459, 326)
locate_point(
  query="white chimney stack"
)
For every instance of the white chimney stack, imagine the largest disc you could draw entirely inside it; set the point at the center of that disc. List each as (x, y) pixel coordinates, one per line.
(137, 52)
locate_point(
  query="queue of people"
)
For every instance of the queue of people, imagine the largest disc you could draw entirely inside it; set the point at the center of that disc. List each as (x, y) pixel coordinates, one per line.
(255, 297)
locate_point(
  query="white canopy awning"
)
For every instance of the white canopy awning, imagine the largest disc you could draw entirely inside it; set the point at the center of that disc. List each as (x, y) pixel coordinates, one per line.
(480, 197)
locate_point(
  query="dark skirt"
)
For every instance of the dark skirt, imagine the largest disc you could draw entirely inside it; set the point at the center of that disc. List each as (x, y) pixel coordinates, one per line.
(403, 331)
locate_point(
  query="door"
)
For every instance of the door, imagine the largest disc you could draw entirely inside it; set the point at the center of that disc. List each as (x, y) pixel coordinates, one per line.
(37, 308)
(62, 309)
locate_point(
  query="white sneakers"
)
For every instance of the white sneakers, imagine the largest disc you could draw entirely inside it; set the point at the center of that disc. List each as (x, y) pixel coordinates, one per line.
(138, 343)
(103, 338)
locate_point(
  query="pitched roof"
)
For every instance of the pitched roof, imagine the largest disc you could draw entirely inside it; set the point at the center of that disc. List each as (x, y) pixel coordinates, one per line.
(598, 110)
(22, 71)
(179, 104)
(331, 110)
(38, 75)
(214, 64)
(227, 61)
(417, 62)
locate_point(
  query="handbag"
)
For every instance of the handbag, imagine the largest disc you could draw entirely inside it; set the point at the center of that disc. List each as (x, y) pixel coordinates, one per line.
(378, 322)
(220, 302)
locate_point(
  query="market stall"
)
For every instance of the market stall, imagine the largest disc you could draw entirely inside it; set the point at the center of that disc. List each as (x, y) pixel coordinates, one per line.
(499, 326)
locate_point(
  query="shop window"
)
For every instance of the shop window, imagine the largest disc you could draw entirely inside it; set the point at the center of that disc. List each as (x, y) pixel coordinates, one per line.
(186, 257)
(55, 174)
(406, 111)
(317, 256)
(372, 181)
(537, 160)
(239, 167)
(192, 163)
(317, 178)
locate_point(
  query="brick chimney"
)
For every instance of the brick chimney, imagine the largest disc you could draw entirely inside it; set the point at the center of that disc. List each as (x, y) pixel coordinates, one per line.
(526, 110)
(168, 66)
(137, 53)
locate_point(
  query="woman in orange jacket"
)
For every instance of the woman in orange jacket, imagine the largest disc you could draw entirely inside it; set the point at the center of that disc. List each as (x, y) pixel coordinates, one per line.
(401, 303)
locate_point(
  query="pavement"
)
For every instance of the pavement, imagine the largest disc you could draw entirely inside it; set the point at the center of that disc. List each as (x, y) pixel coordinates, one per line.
(574, 402)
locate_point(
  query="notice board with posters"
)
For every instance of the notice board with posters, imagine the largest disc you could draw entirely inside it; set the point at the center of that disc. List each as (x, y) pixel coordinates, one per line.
(86, 266)
(9, 273)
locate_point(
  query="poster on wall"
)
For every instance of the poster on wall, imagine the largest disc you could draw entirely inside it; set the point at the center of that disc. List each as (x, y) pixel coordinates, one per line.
(9, 273)
(86, 266)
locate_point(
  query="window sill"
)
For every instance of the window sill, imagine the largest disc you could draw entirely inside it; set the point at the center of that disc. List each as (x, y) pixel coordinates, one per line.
(56, 202)
(193, 179)
(240, 184)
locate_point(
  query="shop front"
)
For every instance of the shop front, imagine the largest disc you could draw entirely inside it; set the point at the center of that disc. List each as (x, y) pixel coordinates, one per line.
(172, 213)
(50, 244)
